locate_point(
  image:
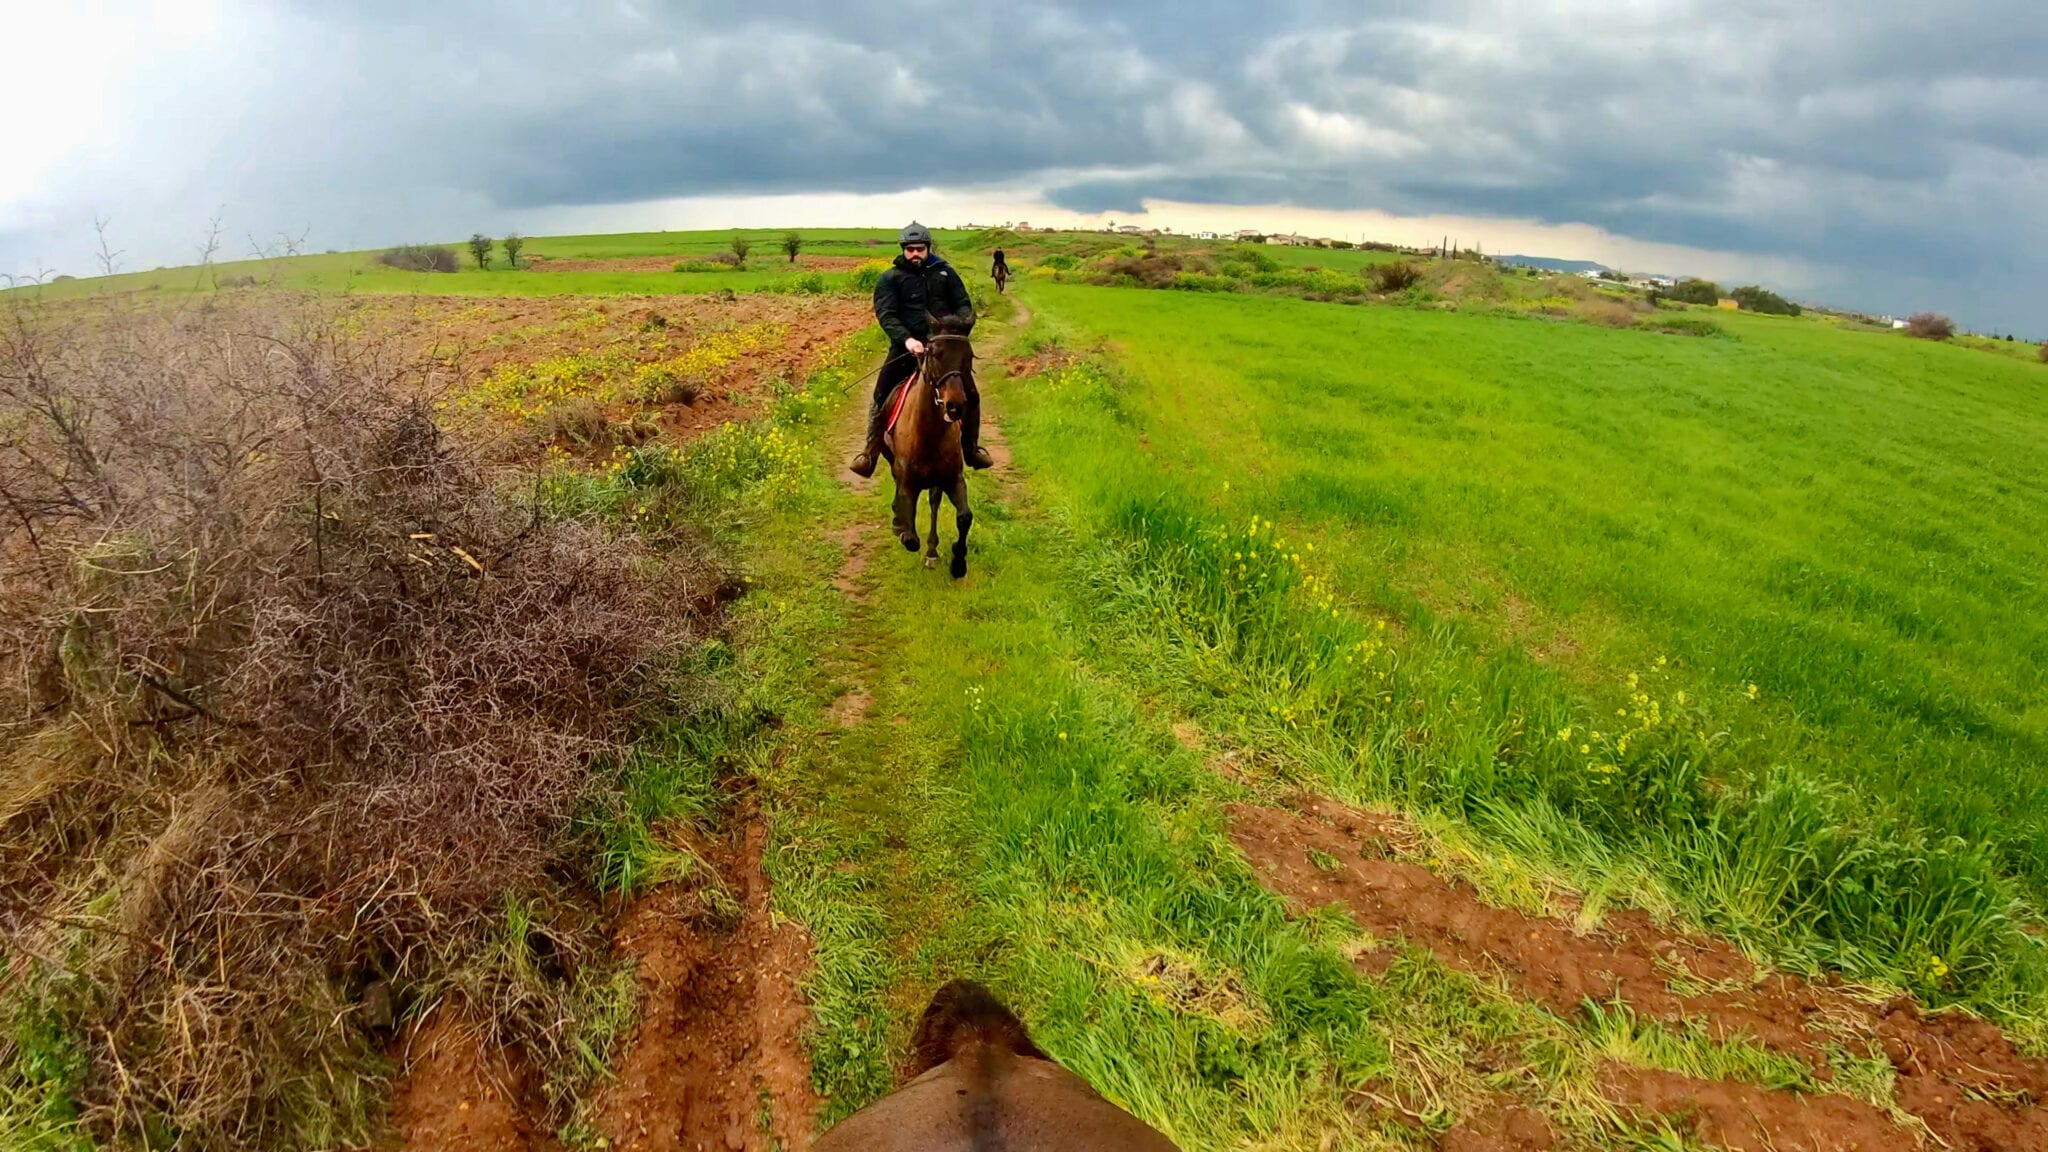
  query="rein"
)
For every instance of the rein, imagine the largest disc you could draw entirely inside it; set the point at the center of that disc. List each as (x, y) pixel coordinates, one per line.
(924, 377)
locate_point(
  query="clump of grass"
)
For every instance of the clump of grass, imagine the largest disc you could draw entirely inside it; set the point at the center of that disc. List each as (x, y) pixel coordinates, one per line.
(867, 274)
(297, 702)
(1683, 326)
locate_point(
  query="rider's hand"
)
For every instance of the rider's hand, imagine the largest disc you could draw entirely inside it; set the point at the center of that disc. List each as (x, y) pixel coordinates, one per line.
(914, 346)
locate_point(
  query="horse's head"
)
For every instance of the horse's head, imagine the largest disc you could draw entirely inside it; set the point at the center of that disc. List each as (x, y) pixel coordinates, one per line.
(949, 364)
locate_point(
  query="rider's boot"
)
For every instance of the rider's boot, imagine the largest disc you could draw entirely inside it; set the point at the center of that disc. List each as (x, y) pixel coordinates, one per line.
(970, 435)
(878, 417)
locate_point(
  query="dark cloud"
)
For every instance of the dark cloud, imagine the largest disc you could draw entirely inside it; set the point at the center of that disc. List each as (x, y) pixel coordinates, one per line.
(1900, 149)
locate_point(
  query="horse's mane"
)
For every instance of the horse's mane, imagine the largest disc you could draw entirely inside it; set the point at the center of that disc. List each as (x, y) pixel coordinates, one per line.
(963, 1014)
(951, 326)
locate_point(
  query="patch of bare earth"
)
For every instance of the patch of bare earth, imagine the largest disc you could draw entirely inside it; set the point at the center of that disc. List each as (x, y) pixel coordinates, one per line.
(717, 1062)
(1960, 1076)
(472, 338)
(1745, 1118)
(459, 1094)
(1504, 1127)
(852, 538)
(1044, 360)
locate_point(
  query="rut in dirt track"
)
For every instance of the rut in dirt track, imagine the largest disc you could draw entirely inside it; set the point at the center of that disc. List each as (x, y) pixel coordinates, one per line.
(718, 1060)
(1960, 1076)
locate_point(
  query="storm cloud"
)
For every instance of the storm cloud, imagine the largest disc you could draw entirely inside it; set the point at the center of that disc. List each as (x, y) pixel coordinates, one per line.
(1899, 150)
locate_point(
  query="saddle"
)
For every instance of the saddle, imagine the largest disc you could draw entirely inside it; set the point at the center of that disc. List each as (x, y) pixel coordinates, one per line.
(895, 406)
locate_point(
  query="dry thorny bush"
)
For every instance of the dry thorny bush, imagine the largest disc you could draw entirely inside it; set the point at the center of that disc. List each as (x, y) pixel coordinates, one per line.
(295, 699)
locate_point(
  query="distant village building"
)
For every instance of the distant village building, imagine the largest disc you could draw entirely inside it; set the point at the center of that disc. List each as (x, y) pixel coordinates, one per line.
(1129, 229)
(1249, 234)
(1205, 235)
(1291, 240)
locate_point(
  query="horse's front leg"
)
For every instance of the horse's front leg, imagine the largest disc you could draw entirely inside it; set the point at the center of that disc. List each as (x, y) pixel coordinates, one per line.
(906, 511)
(931, 548)
(963, 519)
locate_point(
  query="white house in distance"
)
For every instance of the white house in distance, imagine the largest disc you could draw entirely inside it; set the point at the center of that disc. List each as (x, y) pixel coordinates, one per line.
(1248, 234)
(1205, 235)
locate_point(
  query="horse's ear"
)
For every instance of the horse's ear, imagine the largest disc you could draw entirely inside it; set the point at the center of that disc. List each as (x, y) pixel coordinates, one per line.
(962, 1014)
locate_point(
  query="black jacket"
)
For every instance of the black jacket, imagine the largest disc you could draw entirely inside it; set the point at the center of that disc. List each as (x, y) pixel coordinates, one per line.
(907, 297)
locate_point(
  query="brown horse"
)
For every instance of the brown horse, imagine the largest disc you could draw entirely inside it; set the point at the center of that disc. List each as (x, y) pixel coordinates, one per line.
(923, 442)
(981, 1084)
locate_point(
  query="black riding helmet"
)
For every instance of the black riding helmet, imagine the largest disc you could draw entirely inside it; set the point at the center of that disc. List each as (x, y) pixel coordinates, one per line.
(915, 233)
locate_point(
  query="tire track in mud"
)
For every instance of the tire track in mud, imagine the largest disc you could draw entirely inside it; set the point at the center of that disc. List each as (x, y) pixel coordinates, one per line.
(1959, 1076)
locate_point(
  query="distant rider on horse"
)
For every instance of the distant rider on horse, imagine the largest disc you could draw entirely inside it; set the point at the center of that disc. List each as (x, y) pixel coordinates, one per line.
(999, 271)
(920, 286)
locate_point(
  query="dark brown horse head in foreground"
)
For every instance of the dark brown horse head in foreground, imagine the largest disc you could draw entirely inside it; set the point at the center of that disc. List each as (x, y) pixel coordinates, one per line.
(981, 1085)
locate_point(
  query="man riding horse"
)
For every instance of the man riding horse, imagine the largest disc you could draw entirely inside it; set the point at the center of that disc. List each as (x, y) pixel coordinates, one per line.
(919, 287)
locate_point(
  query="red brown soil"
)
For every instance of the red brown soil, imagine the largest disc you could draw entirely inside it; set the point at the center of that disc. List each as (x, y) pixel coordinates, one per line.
(1505, 1127)
(1959, 1075)
(1044, 360)
(718, 1061)
(456, 1094)
(472, 337)
(853, 538)
(1745, 1118)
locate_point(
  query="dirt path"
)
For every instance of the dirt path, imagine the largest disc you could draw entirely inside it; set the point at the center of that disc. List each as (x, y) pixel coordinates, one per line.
(1958, 1076)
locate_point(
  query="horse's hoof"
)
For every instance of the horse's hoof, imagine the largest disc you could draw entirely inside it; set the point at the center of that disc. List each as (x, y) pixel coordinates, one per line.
(931, 561)
(909, 543)
(958, 567)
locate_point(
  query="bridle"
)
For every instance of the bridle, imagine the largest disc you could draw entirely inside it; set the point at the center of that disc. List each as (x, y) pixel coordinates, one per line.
(938, 385)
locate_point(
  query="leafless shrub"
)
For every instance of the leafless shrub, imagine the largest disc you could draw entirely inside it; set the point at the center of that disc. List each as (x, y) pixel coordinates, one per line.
(580, 422)
(1610, 313)
(1153, 269)
(1396, 277)
(420, 258)
(1930, 326)
(292, 703)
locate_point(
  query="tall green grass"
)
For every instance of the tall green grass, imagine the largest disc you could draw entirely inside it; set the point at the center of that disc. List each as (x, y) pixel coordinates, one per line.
(1776, 840)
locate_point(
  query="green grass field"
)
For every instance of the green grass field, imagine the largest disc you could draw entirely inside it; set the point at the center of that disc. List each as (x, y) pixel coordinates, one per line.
(1745, 629)
(1851, 523)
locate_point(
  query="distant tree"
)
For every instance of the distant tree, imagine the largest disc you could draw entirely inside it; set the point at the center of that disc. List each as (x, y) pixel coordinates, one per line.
(1695, 291)
(740, 247)
(480, 248)
(513, 242)
(1753, 298)
(1930, 326)
(1611, 275)
(792, 243)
